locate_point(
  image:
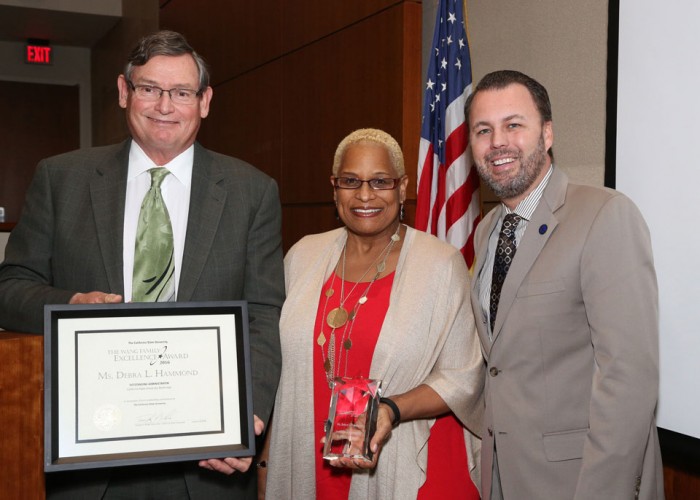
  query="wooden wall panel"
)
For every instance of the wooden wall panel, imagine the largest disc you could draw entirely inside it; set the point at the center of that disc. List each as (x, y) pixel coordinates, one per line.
(22, 416)
(412, 92)
(301, 219)
(349, 80)
(681, 481)
(245, 117)
(310, 20)
(259, 32)
(139, 17)
(288, 88)
(39, 120)
(232, 36)
(681, 458)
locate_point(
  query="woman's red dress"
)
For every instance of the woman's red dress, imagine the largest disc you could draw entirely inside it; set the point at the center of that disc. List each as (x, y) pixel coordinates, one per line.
(448, 473)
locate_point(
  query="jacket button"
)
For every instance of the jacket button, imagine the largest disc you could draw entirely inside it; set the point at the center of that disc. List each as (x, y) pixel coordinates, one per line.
(493, 371)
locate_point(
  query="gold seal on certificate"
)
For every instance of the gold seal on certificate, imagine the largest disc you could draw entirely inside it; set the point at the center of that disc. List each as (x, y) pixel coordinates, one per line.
(352, 418)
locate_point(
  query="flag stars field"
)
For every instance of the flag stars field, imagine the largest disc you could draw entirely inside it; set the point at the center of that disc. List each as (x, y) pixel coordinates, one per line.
(447, 202)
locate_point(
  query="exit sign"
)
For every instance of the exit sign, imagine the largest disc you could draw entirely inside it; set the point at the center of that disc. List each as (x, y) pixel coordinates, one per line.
(38, 52)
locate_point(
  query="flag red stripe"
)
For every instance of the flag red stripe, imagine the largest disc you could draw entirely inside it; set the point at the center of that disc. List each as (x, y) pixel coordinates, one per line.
(456, 144)
(439, 198)
(424, 188)
(457, 204)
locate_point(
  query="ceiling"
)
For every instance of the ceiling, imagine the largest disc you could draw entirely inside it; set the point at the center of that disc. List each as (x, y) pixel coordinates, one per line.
(60, 27)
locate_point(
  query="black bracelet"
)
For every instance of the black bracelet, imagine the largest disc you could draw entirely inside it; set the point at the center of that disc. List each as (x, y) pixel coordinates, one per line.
(394, 408)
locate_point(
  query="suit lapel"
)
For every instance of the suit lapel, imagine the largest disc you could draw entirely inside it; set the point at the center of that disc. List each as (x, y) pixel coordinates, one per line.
(539, 229)
(108, 196)
(207, 201)
(483, 232)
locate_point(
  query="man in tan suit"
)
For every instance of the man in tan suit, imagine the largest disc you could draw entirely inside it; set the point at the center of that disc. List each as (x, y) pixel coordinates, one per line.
(572, 351)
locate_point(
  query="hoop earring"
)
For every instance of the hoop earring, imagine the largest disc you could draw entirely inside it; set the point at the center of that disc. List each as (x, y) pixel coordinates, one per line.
(402, 213)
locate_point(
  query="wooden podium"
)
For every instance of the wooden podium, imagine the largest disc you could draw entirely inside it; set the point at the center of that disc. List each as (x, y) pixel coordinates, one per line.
(22, 416)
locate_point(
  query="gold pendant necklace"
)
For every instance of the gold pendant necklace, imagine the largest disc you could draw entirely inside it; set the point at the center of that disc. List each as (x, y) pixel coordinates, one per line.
(339, 316)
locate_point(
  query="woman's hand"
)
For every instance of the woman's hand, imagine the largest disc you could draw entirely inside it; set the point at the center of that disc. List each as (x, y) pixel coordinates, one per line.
(384, 419)
(420, 402)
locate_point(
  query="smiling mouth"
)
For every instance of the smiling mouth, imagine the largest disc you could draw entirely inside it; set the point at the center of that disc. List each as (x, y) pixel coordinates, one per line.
(159, 121)
(503, 161)
(366, 211)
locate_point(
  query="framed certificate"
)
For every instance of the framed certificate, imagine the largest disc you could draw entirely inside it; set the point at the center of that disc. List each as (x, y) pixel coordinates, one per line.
(145, 383)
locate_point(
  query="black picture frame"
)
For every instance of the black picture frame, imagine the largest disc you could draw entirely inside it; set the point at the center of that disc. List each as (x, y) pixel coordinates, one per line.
(115, 396)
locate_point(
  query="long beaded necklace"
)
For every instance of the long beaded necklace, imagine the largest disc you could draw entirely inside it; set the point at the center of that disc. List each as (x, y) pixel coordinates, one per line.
(339, 316)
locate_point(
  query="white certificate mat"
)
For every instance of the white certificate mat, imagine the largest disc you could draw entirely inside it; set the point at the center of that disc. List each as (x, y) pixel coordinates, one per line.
(145, 383)
(128, 386)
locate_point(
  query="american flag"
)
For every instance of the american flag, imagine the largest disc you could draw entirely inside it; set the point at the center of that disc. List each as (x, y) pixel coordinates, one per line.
(447, 203)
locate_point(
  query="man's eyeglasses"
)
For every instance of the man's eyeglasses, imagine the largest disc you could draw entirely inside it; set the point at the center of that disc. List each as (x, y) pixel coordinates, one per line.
(153, 93)
(378, 183)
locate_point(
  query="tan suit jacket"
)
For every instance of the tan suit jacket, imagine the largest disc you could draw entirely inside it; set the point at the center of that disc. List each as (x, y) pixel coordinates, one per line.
(572, 369)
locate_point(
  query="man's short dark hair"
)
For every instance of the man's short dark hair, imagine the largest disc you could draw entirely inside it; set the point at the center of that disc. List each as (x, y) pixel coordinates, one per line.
(502, 79)
(165, 43)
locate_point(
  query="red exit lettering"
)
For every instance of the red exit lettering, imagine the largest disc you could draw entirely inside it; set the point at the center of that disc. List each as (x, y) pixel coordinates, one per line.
(38, 55)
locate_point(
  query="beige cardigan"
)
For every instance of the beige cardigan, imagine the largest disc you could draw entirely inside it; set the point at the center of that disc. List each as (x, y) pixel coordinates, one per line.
(428, 337)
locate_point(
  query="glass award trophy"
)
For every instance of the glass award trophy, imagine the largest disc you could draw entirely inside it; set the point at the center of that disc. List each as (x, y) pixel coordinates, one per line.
(352, 418)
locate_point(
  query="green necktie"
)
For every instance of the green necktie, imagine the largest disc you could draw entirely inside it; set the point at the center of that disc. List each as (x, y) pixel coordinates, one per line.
(154, 266)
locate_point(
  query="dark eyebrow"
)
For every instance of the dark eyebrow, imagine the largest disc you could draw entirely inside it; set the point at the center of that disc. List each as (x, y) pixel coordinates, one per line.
(480, 124)
(505, 120)
(145, 81)
(153, 83)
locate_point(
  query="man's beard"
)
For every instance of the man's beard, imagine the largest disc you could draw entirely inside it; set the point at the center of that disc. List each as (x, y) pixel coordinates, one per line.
(530, 169)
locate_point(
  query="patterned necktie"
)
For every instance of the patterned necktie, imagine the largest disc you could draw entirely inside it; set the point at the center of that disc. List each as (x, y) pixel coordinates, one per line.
(505, 251)
(154, 266)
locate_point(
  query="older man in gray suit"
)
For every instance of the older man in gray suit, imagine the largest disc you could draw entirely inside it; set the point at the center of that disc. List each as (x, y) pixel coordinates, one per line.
(75, 243)
(569, 321)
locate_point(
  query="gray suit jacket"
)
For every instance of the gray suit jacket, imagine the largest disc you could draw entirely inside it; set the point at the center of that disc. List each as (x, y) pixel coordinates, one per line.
(69, 240)
(572, 377)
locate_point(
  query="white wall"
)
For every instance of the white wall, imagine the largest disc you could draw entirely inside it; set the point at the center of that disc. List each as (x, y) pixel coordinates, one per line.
(658, 109)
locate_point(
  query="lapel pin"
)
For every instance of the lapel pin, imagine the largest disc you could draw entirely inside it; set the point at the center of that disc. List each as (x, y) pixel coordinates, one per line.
(543, 228)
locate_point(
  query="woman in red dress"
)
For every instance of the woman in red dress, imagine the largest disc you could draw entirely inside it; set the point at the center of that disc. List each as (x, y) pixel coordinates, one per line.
(377, 300)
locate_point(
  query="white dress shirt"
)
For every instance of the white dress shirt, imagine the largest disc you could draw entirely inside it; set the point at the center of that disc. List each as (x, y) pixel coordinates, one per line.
(175, 189)
(525, 209)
